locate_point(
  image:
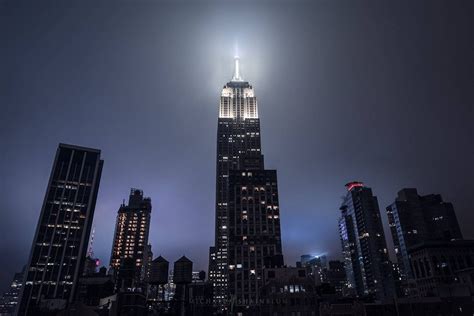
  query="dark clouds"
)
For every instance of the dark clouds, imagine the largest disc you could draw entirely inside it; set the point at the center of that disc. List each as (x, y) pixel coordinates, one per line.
(378, 92)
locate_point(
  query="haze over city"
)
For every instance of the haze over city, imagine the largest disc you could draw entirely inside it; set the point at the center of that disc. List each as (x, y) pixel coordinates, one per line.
(376, 92)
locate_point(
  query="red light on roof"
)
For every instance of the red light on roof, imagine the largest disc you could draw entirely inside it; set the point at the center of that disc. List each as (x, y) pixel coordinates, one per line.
(354, 184)
(97, 262)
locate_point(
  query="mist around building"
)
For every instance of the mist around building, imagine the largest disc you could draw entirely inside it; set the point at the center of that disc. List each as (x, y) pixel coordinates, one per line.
(433, 273)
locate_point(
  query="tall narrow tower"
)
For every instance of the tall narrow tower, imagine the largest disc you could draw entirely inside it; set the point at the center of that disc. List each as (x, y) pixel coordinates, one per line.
(241, 183)
(61, 239)
(130, 246)
(364, 248)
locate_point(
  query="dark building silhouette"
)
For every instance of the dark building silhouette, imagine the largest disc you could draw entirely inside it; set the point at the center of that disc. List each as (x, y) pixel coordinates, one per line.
(436, 264)
(366, 260)
(254, 231)
(131, 304)
(94, 287)
(425, 306)
(414, 219)
(60, 243)
(90, 265)
(466, 278)
(200, 299)
(335, 275)
(130, 247)
(401, 287)
(9, 299)
(247, 227)
(287, 291)
(199, 276)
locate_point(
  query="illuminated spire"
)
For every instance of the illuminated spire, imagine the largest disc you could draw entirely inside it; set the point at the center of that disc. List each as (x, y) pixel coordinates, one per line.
(236, 76)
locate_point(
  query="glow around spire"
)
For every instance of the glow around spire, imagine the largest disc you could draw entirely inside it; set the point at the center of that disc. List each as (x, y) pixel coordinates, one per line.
(236, 76)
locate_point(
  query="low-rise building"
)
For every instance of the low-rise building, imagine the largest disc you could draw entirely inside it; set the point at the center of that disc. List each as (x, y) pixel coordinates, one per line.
(287, 291)
(435, 265)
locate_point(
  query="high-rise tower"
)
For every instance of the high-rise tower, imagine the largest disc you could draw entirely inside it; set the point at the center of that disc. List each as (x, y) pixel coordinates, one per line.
(414, 219)
(61, 239)
(364, 247)
(130, 246)
(242, 226)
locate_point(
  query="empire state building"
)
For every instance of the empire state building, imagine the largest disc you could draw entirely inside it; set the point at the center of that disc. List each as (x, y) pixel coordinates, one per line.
(247, 222)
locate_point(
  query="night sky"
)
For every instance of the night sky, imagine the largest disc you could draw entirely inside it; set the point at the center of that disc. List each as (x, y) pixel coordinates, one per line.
(381, 92)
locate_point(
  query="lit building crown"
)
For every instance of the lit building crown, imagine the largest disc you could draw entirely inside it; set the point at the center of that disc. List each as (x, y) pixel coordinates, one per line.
(237, 98)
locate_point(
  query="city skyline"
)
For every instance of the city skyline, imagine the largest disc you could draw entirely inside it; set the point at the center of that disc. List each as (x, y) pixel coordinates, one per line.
(319, 200)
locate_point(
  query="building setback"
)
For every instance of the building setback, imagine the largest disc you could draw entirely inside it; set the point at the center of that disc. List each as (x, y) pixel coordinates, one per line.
(364, 247)
(254, 232)
(130, 247)
(238, 152)
(60, 243)
(414, 219)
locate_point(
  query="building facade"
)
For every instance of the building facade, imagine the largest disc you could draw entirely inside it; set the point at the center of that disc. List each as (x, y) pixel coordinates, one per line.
(130, 247)
(364, 247)
(243, 188)
(336, 276)
(436, 266)
(414, 219)
(254, 232)
(287, 291)
(60, 243)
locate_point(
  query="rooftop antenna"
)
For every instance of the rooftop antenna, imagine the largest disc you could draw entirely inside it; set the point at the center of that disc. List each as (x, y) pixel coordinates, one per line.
(236, 76)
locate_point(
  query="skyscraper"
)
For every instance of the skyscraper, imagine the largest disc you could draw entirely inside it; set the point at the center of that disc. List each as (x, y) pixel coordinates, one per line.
(364, 247)
(247, 227)
(130, 246)
(60, 243)
(414, 219)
